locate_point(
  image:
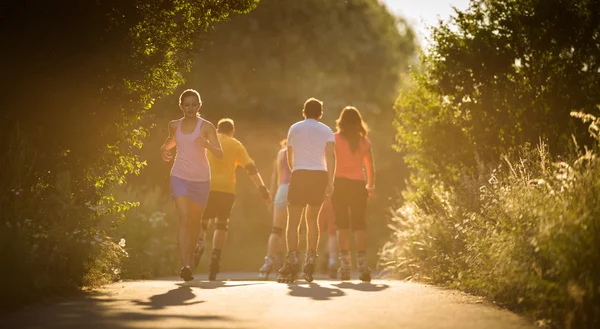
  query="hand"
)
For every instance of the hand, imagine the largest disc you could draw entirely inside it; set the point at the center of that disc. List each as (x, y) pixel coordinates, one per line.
(166, 155)
(371, 192)
(265, 194)
(328, 191)
(202, 141)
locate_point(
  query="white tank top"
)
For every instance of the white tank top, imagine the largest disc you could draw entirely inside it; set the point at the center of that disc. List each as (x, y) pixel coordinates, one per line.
(190, 162)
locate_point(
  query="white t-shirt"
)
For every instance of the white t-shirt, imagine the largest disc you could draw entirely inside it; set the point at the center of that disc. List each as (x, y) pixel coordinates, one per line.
(308, 139)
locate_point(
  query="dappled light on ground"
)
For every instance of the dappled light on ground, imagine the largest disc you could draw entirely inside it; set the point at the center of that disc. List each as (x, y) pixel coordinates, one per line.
(170, 303)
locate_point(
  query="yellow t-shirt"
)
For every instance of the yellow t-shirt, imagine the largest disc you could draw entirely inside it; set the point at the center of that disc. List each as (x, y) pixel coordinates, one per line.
(222, 171)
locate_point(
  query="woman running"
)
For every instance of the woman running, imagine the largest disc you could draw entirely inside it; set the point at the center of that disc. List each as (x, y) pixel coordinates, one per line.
(276, 245)
(190, 174)
(350, 194)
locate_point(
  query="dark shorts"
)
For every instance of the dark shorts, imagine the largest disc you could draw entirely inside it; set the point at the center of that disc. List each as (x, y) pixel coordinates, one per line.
(349, 202)
(219, 205)
(307, 187)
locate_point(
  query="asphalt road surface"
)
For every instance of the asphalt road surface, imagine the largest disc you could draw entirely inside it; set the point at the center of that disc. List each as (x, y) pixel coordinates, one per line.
(241, 301)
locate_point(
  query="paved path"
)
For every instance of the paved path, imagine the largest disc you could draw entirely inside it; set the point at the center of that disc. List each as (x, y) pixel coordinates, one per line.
(242, 302)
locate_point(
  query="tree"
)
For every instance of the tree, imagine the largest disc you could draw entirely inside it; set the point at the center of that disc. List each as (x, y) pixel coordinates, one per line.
(346, 52)
(79, 78)
(93, 68)
(261, 67)
(500, 74)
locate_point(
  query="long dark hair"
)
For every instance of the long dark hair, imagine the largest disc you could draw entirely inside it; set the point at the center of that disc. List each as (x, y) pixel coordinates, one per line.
(351, 126)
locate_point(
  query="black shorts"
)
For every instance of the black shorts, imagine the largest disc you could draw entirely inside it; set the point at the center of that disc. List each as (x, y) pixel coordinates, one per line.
(307, 187)
(349, 202)
(219, 205)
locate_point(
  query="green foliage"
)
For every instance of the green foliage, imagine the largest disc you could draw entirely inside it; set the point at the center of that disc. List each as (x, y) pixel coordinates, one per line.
(79, 97)
(267, 63)
(260, 68)
(431, 136)
(149, 233)
(50, 243)
(527, 235)
(503, 73)
(499, 77)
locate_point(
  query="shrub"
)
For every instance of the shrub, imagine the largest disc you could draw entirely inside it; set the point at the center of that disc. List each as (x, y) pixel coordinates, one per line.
(527, 235)
(149, 232)
(50, 243)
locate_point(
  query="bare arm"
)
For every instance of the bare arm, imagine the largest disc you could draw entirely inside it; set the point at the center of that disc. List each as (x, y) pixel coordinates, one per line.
(211, 141)
(370, 166)
(275, 180)
(279, 166)
(290, 157)
(169, 142)
(331, 163)
(244, 159)
(256, 178)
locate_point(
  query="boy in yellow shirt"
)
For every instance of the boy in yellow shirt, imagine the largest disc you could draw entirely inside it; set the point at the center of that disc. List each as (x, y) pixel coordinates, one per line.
(222, 191)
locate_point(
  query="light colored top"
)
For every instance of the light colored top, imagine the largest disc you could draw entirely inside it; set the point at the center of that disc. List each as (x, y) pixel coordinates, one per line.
(285, 168)
(308, 139)
(223, 170)
(350, 165)
(191, 162)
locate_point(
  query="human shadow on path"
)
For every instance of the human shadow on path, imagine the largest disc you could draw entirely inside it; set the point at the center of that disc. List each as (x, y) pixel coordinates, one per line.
(363, 286)
(96, 311)
(213, 284)
(314, 291)
(173, 297)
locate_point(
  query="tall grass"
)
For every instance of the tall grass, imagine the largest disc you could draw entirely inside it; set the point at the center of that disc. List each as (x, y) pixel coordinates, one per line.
(526, 235)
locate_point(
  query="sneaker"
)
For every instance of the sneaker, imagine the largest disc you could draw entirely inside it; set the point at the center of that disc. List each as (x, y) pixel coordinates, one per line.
(186, 273)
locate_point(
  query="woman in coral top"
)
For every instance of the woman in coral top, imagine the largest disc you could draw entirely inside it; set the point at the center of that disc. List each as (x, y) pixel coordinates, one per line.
(350, 194)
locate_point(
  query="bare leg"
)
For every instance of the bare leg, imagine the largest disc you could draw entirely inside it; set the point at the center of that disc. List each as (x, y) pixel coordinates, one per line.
(276, 241)
(293, 226)
(183, 228)
(332, 246)
(360, 238)
(343, 237)
(219, 237)
(312, 227)
(276, 245)
(195, 227)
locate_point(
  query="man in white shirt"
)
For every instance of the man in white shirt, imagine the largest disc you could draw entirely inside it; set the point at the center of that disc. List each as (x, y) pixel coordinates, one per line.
(311, 157)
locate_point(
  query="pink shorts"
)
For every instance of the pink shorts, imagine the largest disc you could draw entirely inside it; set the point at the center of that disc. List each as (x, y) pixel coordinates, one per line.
(195, 191)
